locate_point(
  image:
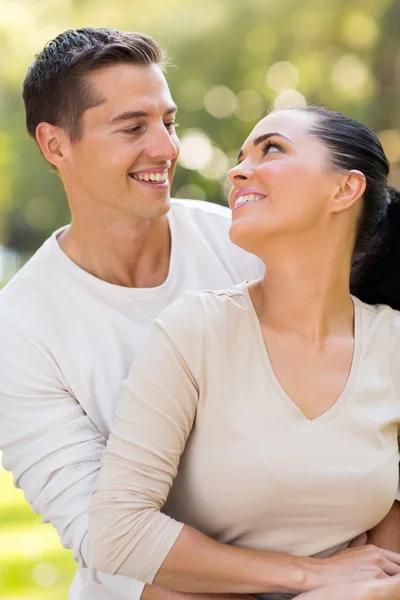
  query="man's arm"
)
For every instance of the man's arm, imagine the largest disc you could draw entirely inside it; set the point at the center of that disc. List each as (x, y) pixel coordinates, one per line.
(52, 448)
(54, 452)
(387, 533)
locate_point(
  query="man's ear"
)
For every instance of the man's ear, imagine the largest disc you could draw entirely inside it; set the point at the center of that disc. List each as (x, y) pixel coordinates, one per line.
(350, 189)
(52, 142)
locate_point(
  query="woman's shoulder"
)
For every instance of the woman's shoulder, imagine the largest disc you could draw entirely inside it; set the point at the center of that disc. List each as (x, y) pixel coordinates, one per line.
(196, 310)
(380, 324)
(377, 311)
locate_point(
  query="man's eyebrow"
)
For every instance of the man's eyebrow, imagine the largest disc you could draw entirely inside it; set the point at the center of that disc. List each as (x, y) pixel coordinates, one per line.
(137, 114)
(265, 136)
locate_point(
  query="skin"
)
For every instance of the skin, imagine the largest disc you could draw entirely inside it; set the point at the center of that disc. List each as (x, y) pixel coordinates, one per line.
(370, 590)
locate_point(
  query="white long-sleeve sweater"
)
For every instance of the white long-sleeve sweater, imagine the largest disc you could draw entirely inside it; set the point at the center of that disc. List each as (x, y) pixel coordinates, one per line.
(67, 340)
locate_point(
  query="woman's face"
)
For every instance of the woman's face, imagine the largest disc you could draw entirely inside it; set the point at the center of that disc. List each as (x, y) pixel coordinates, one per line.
(282, 184)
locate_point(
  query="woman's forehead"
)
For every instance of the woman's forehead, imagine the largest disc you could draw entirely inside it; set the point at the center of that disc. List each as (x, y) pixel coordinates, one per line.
(290, 123)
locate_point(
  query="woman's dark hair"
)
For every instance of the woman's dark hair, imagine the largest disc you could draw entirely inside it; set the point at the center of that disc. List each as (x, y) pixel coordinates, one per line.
(56, 87)
(375, 274)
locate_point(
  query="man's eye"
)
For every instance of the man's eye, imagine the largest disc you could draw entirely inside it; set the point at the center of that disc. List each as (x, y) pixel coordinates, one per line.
(132, 130)
(171, 125)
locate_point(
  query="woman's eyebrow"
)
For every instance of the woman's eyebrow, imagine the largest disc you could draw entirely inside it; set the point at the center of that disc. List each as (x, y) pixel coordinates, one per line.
(265, 136)
(262, 138)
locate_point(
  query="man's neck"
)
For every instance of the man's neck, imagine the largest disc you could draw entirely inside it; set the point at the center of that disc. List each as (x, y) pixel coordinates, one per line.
(130, 254)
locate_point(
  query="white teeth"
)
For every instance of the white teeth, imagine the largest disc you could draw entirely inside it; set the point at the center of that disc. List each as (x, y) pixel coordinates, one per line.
(154, 177)
(247, 198)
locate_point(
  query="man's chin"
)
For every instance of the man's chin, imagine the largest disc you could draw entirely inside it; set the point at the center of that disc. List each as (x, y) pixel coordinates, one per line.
(154, 209)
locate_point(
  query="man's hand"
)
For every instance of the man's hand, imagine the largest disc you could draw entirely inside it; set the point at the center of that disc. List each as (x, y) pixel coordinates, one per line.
(154, 592)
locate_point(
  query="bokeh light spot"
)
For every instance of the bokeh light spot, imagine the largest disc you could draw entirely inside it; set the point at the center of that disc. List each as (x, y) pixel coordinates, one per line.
(196, 149)
(190, 95)
(217, 167)
(220, 101)
(250, 105)
(352, 78)
(282, 75)
(288, 99)
(359, 30)
(44, 574)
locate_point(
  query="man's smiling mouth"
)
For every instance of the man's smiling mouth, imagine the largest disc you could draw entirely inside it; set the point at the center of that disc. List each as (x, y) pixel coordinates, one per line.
(159, 177)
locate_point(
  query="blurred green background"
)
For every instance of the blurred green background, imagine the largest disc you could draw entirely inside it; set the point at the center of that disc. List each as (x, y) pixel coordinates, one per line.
(232, 61)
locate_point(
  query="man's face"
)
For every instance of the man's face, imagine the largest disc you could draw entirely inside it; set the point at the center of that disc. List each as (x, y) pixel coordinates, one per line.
(126, 158)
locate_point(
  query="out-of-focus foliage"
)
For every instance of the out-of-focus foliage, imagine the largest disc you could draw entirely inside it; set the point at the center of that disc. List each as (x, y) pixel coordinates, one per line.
(232, 61)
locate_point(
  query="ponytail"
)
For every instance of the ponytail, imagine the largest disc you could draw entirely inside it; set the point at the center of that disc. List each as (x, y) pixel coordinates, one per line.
(378, 280)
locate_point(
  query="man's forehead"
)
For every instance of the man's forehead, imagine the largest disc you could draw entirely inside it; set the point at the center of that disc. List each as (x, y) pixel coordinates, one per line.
(131, 88)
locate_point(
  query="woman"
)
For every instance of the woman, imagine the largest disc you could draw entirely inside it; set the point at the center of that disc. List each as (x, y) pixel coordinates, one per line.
(277, 399)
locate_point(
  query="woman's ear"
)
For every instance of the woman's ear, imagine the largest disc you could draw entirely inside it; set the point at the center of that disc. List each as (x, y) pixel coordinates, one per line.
(51, 140)
(350, 189)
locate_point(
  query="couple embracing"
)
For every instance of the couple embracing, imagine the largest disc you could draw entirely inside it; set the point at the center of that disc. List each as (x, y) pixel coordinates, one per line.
(244, 359)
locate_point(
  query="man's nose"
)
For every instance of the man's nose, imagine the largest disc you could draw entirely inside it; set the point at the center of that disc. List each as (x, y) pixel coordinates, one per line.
(162, 144)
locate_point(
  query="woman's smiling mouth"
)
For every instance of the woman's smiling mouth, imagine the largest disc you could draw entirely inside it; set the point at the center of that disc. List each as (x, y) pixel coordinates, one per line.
(246, 197)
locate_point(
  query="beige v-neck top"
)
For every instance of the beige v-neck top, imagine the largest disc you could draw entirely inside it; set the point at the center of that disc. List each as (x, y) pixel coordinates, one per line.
(205, 435)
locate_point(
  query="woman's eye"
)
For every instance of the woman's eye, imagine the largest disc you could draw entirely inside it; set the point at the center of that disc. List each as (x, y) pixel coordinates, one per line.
(271, 148)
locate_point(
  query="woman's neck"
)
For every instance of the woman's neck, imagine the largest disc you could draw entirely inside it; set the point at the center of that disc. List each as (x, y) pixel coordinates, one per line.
(305, 291)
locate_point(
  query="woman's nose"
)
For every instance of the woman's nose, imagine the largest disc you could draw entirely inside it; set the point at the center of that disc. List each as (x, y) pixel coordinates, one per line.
(241, 172)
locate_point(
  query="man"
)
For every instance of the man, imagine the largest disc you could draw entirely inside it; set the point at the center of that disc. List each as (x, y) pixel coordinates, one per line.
(74, 317)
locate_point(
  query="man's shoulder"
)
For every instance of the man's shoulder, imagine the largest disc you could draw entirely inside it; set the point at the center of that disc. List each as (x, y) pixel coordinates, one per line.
(33, 281)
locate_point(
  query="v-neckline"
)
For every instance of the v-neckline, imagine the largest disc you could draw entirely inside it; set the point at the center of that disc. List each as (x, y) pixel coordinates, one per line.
(295, 411)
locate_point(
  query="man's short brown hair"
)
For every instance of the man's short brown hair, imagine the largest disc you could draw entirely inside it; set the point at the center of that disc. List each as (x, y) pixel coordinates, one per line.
(56, 88)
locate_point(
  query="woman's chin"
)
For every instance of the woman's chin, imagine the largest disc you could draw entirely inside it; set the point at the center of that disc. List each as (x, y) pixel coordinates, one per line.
(247, 236)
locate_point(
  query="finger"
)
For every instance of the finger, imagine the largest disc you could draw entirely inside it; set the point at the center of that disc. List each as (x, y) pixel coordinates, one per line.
(391, 568)
(392, 556)
(361, 540)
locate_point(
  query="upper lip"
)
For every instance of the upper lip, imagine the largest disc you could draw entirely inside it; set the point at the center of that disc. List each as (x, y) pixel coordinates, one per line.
(246, 191)
(151, 170)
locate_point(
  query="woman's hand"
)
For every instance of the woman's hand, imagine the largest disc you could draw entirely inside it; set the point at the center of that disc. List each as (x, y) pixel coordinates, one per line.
(358, 564)
(347, 591)
(388, 589)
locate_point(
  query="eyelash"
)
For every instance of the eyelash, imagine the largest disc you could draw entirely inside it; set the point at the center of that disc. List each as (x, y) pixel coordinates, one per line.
(268, 144)
(265, 147)
(133, 130)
